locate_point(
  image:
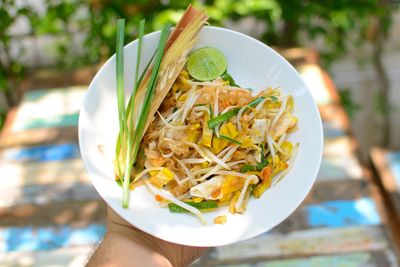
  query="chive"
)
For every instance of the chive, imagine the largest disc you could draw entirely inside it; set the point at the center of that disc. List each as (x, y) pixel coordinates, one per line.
(204, 205)
(248, 168)
(131, 142)
(230, 139)
(274, 98)
(258, 167)
(129, 159)
(252, 168)
(212, 123)
(264, 160)
(123, 128)
(229, 79)
(131, 99)
(255, 102)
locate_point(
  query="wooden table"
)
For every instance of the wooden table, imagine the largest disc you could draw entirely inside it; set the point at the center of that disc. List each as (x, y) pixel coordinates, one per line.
(51, 215)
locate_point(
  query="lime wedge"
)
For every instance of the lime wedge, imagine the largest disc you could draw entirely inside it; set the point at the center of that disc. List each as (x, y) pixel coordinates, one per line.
(206, 64)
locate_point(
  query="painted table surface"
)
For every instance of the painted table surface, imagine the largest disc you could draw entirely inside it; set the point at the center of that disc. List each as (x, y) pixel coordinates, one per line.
(50, 215)
(393, 158)
(387, 165)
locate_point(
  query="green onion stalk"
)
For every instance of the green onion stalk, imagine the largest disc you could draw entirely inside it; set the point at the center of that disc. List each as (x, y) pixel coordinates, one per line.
(131, 135)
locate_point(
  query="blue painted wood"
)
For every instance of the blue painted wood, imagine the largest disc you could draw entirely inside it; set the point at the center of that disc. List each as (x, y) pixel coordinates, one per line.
(339, 168)
(332, 130)
(43, 153)
(360, 259)
(394, 165)
(342, 213)
(54, 108)
(65, 120)
(25, 239)
(329, 215)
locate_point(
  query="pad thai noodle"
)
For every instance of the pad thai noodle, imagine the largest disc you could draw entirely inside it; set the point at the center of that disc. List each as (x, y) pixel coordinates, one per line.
(213, 144)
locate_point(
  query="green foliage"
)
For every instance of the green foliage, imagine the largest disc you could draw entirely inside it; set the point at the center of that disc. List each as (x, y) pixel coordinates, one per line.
(3, 114)
(85, 30)
(348, 102)
(335, 21)
(11, 69)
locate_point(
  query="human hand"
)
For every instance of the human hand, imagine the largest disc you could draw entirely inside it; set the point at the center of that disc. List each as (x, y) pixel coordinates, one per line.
(125, 245)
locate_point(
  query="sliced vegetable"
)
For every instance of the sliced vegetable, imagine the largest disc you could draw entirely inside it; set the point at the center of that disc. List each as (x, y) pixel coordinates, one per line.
(206, 64)
(204, 205)
(230, 139)
(231, 184)
(212, 123)
(222, 118)
(161, 178)
(229, 79)
(257, 167)
(218, 144)
(265, 183)
(249, 168)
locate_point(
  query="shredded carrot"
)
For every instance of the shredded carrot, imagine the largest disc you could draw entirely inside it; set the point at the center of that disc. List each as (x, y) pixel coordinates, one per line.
(159, 198)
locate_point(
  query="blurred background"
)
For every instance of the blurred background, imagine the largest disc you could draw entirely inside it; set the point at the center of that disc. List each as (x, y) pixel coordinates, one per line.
(348, 52)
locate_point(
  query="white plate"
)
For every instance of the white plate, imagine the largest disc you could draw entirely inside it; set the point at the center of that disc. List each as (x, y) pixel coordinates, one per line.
(252, 64)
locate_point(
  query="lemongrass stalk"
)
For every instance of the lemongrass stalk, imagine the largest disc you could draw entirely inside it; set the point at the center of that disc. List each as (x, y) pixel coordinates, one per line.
(134, 144)
(150, 91)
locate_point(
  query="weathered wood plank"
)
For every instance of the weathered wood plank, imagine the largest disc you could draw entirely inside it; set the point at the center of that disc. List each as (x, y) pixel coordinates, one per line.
(57, 121)
(300, 244)
(71, 256)
(335, 115)
(77, 213)
(41, 194)
(41, 153)
(26, 239)
(394, 163)
(331, 214)
(388, 166)
(339, 168)
(64, 104)
(334, 190)
(67, 171)
(331, 130)
(38, 137)
(391, 196)
(338, 146)
(46, 194)
(358, 259)
(342, 213)
(77, 256)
